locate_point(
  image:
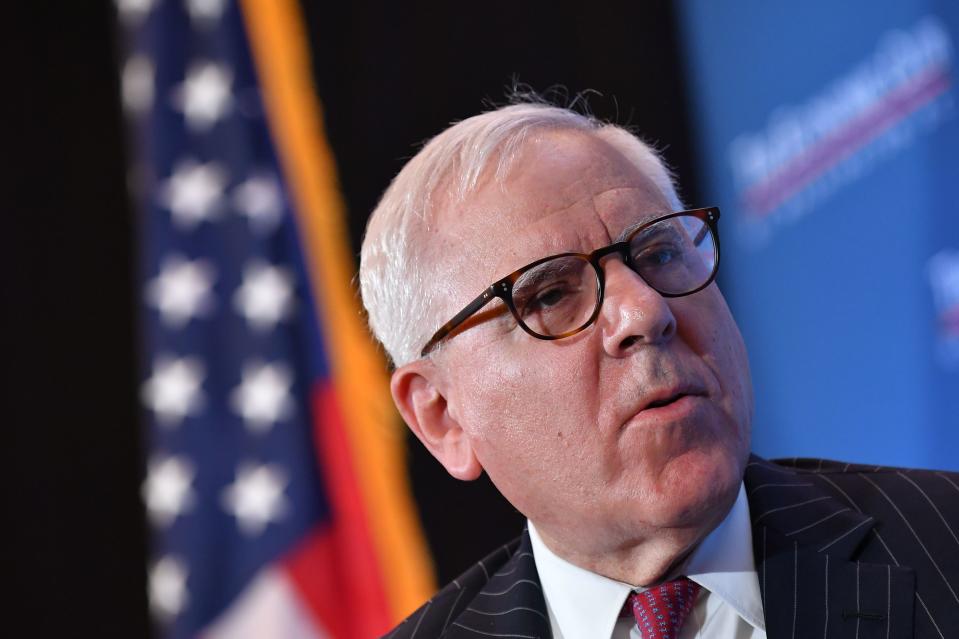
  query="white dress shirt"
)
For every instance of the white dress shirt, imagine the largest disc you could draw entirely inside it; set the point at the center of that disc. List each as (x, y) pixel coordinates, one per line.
(584, 605)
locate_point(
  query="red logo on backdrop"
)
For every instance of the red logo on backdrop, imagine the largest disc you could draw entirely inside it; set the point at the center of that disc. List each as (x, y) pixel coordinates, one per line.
(808, 151)
(944, 280)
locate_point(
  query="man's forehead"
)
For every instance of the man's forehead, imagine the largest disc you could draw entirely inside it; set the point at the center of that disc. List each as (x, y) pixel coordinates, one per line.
(560, 167)
(557, 193)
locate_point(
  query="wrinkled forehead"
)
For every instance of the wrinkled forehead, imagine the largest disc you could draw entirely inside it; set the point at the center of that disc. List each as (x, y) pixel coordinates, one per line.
(564, 191)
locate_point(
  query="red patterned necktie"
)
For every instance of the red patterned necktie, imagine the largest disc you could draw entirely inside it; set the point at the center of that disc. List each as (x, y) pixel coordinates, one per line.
(661, 610)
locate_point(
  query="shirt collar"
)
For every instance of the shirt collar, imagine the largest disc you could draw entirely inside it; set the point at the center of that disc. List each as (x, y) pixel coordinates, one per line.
(580, 603)
(723, 564)
(585, 604)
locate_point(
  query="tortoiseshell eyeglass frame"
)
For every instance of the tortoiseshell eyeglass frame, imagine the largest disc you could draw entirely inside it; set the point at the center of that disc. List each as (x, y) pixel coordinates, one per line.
(503, 288)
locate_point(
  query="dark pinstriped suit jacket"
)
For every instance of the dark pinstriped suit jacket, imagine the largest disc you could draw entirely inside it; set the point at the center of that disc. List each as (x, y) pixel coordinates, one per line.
(841, 551)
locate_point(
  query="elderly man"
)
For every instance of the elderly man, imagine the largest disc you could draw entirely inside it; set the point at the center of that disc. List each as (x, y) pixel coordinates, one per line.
(589, 365)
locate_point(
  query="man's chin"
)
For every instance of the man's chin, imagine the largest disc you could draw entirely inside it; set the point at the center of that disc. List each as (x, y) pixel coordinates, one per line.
(696, 489)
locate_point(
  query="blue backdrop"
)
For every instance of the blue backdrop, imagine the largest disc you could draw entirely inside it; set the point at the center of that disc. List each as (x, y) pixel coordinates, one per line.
(828, 134)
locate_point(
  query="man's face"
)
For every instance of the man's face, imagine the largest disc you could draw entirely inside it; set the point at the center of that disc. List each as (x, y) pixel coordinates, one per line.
(563, 428)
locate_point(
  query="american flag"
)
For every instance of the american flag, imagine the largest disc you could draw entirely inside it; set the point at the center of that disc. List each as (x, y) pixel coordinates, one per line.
(258, 526)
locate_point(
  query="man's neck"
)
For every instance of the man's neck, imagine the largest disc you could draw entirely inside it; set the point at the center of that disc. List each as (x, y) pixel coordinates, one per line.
(641, 564)
(647, 559)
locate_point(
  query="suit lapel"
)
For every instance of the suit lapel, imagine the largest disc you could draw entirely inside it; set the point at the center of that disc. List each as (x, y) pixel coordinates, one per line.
(804, 540)
(510, 604)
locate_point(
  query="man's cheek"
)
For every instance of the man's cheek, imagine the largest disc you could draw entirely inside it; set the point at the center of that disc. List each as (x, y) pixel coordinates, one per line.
(528, 401)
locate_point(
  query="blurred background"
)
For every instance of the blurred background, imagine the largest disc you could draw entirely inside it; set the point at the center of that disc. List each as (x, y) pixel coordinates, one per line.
(199, 435)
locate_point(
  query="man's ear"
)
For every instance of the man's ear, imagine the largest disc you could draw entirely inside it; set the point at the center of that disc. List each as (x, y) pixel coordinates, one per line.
(419, 395)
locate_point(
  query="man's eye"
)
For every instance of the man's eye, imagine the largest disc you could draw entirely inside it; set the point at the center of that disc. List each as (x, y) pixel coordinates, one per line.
(546, 299)
(550, 297)
(657, 256)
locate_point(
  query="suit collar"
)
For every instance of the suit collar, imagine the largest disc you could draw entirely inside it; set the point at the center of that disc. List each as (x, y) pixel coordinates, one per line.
(802, 508)
(511, 602)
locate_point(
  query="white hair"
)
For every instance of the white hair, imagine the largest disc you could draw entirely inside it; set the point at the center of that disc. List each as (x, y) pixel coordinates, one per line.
(396, 288)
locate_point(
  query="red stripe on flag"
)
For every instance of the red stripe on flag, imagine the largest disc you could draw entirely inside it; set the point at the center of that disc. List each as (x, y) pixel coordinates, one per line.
(335, 568)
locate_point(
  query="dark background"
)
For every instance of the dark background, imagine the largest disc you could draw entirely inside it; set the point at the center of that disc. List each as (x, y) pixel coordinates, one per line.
(390, 75)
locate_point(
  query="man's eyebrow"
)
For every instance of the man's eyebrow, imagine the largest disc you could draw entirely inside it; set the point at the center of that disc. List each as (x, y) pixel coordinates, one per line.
(544, 271)
(635, 225)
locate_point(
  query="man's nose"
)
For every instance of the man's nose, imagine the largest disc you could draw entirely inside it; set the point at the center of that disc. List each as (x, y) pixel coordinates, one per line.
(633, 312)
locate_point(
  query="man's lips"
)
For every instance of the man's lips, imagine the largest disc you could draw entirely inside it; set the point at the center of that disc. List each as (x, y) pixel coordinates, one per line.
(665, 408)
(673, 400)
(666, 396)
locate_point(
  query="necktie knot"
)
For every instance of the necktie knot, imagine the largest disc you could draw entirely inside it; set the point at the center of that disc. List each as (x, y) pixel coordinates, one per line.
(661, 610)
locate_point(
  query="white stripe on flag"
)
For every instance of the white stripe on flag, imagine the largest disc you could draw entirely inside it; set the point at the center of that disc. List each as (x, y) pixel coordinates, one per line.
(268, 607)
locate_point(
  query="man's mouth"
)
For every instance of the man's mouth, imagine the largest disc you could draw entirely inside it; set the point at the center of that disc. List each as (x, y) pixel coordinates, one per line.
(667, 396)
(666, 401)
(667, 404)
(671, 403)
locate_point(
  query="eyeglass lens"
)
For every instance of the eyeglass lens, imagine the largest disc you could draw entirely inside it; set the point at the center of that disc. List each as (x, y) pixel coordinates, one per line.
(556, 296)
(674, 256)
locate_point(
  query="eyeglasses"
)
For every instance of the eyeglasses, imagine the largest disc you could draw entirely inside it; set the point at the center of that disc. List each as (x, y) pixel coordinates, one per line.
(560, 295)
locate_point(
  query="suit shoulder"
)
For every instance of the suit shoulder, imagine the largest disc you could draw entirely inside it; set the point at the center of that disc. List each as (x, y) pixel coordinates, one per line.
(897, 497)
(835, 467)
(433, 617)
(817, 465)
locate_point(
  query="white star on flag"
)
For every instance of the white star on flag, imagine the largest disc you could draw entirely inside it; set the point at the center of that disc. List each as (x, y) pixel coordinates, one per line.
(263, 396)
(182, 290)
(137, 84)
(259, 199)
(174, 391)
(266, 295)
(167, 491)
(256, 497)
(205, 12)
(194, 192)
(205, 96)
(132, 12)
(168, 594)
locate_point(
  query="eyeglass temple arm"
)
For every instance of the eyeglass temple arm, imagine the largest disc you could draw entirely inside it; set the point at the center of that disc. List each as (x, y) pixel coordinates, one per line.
(479, 302)
(712, 216)
(701, 235)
